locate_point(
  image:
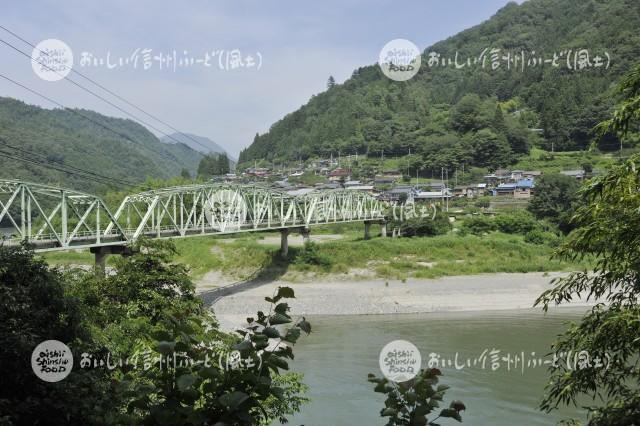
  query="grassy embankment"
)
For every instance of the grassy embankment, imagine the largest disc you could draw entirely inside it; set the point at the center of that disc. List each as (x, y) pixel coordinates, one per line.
(244, 256)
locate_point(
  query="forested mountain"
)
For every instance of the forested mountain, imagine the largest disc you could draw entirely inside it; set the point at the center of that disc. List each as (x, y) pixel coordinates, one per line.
(472, 113)
(60, 138)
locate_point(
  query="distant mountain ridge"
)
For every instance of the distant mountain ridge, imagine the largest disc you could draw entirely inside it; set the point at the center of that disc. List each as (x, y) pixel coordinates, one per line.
(127, 151)
(198, 143)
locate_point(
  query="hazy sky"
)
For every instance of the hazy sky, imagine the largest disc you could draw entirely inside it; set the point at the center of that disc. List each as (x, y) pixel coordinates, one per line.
(301, 43)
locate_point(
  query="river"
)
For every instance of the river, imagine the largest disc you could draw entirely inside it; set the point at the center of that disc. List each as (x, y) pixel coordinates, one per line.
(340, 352)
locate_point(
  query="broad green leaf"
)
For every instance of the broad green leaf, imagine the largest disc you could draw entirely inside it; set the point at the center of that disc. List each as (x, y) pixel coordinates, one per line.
(185, 381)
(388, 412)
(165, 347)
(293, 334)
(450, 412)
(271, 332)
(304, 325)
(279, 362)
(279, 318)
(285, 293)
(243, 346)
(233, 400)
(281, 308)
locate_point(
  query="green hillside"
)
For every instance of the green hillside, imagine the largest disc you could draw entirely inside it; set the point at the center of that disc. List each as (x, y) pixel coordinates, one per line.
(129, 152)
(476, 116)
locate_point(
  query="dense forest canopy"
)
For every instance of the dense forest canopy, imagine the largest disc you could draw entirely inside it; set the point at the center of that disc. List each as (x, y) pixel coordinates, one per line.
(108, 146)
(473, 114)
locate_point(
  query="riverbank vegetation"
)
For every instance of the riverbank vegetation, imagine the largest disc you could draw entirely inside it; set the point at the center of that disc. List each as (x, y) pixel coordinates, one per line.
(146, 350)
(458, 252)
(608, 337)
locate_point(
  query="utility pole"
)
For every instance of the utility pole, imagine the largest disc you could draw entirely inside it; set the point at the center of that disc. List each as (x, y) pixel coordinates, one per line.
(446, 188)
(620, 147)
(442, 183)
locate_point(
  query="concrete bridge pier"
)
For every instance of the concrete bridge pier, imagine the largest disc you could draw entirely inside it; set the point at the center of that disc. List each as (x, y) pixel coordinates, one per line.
(284, 242)
(367, 230)
(101, 253)
(383, 229)
(305, 232)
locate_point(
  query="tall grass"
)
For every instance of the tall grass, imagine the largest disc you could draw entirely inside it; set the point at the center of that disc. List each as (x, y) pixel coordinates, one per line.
(427, 257)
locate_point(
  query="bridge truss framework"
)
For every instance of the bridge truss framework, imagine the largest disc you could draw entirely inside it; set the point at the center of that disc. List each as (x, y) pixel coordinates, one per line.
(52, 218)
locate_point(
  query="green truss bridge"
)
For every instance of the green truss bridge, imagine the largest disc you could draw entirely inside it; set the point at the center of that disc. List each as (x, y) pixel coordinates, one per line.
(52, 218)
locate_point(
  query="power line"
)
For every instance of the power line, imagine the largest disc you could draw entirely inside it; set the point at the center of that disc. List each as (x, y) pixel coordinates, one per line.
(69, 166)
(105, 89)
(76, 112)
(92, 92)
(61, 169)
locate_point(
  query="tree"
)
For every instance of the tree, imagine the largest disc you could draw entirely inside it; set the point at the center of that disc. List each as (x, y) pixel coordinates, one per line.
(607, 230)
(490, 150)
(213, 165)
(331, 82)
(554, 198)
(148, 306)
(424, 226)
(518, 137)
(35, 308)
(207, 167)
(498, 123)
(464, 116)
(223, 164)
(185, 174)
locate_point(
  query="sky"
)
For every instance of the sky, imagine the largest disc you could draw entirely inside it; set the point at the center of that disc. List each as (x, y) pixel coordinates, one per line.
(295, 47)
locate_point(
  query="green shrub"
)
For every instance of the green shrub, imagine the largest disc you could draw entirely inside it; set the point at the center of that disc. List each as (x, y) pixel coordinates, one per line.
(425, 226)
(537, 236)
(482, 203)
(310, 255)
(409, 403)
(516, 222)
(478, 225)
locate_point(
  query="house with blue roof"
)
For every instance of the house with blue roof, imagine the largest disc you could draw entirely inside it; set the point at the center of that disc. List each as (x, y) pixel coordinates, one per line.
(523, 189)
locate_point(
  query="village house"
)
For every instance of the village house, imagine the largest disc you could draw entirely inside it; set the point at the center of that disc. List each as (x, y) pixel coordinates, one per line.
(498, 177)
(396, 194)
(384, 180)
(435, 194)
(577, 174)
(470, 191)
(369, 189)
(431, 186)
(531, 174)
(521, 189)
(339, 174)
(259, 172)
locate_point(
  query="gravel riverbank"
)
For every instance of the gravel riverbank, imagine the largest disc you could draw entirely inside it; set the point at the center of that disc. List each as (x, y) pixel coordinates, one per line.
(378, 296)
